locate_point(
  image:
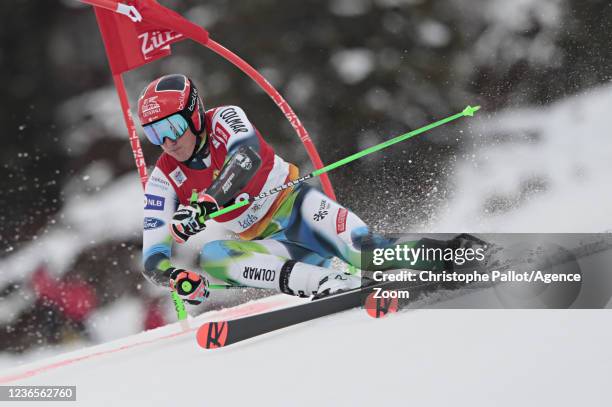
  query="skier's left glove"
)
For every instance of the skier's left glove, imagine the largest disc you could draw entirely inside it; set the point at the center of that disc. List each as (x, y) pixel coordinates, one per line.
(190, 220)
(190, 286)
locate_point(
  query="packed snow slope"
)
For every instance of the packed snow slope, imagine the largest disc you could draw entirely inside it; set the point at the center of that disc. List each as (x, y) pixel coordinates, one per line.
(535, 170)
(416, 357)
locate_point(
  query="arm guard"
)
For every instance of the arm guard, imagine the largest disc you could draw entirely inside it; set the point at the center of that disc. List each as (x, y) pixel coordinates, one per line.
(236, 174)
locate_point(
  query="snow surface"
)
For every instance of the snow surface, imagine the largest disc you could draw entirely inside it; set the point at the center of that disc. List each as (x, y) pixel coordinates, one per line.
(417, 357)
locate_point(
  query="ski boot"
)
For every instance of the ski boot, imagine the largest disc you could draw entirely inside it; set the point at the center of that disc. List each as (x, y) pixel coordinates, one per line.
(336, 283)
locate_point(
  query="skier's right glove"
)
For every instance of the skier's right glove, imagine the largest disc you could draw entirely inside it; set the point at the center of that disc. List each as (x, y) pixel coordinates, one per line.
(190, 220)
(190, 286)
(186, 222)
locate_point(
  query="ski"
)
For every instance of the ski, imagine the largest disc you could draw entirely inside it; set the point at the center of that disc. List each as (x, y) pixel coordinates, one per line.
(218, 334)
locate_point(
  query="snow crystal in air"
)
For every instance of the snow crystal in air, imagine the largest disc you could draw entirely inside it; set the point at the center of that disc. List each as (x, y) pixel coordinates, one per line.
(300, 89)
(504, 42)
(92, 115)
(353, 65)
(518, 15)
(397, 3)
(434, 34)
(272, 75)
(349, 8)
(205, 16)
(379, 99)
(121, 318)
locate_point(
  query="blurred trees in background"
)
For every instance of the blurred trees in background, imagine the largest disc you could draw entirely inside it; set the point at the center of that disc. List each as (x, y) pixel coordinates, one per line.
(355, 71)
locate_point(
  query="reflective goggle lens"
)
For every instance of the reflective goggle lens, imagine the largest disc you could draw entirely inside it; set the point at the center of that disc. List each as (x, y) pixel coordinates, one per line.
(171, 127)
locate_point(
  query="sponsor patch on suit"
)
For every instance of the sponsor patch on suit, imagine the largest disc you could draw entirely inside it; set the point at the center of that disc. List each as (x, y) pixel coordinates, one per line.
(154, 202)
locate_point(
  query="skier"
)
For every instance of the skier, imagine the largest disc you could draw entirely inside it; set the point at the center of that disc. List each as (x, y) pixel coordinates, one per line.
(214, 158)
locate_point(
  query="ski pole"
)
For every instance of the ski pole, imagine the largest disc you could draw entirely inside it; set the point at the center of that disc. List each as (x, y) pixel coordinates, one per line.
(225, 286)
(468, 111)
(179, 306)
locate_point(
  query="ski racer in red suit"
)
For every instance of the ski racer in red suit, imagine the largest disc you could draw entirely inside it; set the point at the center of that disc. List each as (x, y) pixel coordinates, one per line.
(214, 158)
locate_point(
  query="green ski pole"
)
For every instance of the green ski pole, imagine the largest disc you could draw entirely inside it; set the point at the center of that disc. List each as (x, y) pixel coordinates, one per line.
(468, 111)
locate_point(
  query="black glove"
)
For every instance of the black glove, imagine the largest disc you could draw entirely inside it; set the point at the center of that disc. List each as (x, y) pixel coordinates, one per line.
(190, 220)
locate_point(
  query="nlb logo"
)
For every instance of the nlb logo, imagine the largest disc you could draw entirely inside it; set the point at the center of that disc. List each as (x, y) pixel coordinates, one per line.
(154, 202)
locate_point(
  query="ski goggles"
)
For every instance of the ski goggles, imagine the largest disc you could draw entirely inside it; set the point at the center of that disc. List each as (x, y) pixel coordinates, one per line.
(172, 127)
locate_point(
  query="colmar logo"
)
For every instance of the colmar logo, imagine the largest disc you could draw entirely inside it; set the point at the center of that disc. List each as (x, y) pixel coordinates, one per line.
(254, 273)
(231, 117)
(156, 40)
